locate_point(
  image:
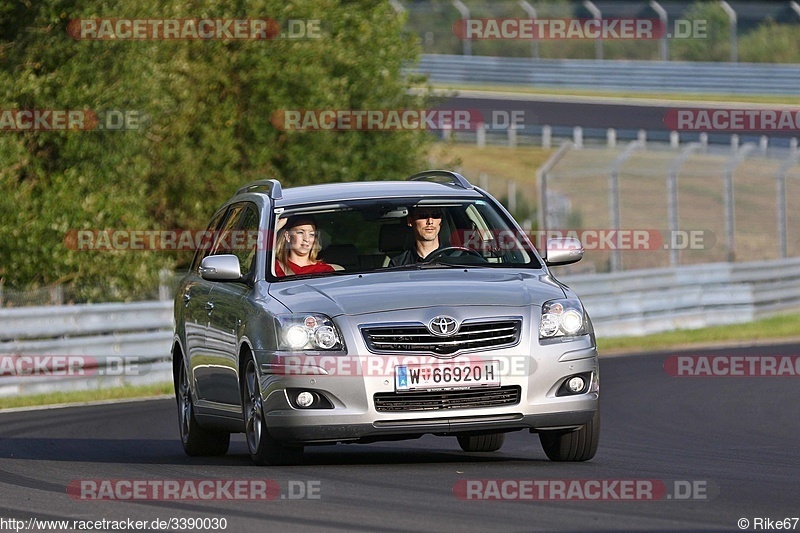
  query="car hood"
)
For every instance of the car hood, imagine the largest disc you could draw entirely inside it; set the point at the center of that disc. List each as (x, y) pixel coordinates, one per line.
(386, 291)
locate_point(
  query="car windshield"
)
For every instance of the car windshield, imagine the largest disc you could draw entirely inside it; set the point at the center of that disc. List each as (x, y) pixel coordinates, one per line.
(371, 235)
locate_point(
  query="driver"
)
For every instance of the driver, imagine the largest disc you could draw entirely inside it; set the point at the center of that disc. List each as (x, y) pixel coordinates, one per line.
(426, 223)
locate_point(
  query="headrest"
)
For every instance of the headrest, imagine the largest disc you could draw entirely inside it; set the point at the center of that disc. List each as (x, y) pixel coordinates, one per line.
(395, 237)
(345, 255)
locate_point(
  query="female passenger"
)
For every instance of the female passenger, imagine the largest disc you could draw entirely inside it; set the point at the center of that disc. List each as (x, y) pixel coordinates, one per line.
(297, 248)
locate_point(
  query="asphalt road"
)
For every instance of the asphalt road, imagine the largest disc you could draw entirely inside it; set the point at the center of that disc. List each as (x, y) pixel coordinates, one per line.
(736, 441)
(592, 112)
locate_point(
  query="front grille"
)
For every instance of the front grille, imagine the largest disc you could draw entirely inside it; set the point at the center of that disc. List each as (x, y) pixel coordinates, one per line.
(438, 401)
(417, 338)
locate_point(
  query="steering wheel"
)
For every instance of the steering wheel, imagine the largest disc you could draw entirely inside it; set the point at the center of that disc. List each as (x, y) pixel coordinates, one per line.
(442, 251)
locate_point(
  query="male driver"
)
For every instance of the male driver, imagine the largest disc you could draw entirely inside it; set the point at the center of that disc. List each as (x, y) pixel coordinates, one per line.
(426, 223)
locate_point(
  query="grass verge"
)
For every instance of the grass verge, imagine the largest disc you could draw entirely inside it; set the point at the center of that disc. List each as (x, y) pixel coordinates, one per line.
(94, 395)
(776, 327)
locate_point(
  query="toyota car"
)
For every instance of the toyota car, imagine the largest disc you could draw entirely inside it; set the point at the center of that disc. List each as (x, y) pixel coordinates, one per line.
(371, 341)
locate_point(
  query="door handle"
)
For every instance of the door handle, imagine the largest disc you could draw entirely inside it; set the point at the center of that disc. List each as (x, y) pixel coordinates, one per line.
(209, 306)
(186, 297)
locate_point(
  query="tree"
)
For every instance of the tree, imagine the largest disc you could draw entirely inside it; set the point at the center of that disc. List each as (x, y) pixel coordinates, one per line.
(209, 106)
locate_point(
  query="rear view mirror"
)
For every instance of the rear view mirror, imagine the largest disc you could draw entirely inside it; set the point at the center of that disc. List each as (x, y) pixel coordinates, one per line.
(223, 267)
(563, 251)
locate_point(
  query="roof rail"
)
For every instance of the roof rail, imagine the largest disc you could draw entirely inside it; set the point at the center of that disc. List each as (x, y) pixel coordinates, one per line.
(450, 178)
(272, 187)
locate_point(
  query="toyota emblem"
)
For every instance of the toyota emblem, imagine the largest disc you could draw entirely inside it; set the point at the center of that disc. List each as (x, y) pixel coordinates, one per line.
(443, 326)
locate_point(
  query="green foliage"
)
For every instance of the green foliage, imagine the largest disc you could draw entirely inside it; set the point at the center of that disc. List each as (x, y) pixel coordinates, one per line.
(716, 46)
(209, 106)
(771, 43)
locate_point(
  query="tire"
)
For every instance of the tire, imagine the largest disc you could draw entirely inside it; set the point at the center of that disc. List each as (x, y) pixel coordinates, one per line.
(197, 441)
(264, 449)
(482, 443)
(575, 445)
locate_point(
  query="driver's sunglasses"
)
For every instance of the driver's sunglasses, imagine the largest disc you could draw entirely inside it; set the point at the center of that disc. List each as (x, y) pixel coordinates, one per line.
(424, 215)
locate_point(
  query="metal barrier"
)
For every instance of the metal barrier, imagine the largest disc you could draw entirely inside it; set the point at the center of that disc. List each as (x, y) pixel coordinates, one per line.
(664, 299)
(644, 76)
(74, 347)
(622, 303)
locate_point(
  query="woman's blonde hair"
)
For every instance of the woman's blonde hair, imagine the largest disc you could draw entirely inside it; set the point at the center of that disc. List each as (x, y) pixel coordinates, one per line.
(282, 244)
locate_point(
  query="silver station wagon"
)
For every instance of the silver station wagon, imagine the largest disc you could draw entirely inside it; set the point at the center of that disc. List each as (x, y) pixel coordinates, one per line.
(386, 310)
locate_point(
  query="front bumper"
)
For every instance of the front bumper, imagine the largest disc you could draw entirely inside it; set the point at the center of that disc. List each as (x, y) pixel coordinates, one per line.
(354, 417)
(351, 382)
(287, 429)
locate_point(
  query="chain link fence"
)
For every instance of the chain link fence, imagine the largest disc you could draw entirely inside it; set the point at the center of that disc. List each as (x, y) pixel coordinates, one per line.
(668, 206)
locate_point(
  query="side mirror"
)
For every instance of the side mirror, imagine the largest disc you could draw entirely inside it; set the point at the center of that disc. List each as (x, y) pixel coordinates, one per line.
(221, 268)
(563, 251)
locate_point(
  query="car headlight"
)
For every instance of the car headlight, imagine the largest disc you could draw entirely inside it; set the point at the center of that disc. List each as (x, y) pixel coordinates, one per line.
(307, 332)
(561, 318)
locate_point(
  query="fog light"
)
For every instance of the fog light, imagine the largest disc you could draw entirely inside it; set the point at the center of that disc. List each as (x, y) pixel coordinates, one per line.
(576, 384)
(304, 399)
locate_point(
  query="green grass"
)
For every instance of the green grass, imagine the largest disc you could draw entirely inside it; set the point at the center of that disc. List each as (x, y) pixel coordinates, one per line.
(776, 327)
(702, 97)
(112, 393)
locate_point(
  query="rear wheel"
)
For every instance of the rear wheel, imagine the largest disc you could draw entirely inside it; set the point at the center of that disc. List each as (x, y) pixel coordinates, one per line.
(482, 443)
(264, 450)
(573, 445)
(196, 440)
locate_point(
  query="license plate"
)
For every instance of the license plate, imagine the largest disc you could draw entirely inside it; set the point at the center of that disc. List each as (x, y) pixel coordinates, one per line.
(446, 376)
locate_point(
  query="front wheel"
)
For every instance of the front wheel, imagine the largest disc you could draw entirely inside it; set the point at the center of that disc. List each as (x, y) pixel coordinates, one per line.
(574, 445)
(264, 450)
(196, 440)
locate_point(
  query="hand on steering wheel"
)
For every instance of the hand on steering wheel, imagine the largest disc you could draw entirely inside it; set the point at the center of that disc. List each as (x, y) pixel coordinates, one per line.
(442, 251)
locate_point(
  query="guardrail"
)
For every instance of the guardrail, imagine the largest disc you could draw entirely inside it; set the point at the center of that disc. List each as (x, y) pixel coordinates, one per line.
(112, 336)
(72, 347)
(595, 74)
(640, 302)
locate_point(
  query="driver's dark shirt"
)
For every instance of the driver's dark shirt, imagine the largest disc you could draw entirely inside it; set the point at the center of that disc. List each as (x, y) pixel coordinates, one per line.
(409, 257)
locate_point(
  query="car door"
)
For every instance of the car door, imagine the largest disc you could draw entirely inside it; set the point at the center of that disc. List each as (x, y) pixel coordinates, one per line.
(227, 299)
(204, 361)
(194, 299)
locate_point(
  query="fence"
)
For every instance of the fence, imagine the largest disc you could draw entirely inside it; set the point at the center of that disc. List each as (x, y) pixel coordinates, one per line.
(130, 343)
(693, 204)
(654, 300)
(72, 347)
(664, 204)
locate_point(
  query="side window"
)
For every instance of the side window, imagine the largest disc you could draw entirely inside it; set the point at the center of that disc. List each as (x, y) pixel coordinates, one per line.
(246, 241)
(207, 241)
(225, 241)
